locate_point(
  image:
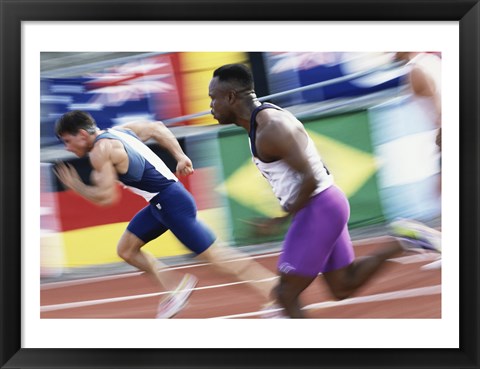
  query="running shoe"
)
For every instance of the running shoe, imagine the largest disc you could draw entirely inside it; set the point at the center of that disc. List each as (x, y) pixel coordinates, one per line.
(415, 235)
(177, 299)
(272, 311)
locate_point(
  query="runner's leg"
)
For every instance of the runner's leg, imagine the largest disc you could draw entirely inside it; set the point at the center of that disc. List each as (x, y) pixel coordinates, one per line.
(288, 290)
(343, 282)
(143, 228)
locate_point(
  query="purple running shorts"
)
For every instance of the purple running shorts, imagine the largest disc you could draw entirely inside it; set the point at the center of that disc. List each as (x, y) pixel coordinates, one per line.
(318, 240)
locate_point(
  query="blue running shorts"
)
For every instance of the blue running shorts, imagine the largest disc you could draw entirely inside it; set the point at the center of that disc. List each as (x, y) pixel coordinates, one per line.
(173, 209)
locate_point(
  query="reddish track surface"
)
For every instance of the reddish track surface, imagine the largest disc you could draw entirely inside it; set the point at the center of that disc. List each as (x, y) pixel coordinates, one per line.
(402, 289)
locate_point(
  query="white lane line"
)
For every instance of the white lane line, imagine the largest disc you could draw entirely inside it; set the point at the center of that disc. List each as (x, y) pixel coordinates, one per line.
(416, 258)
(78, 304)
(437, 264)
(403, 294)
(76, 282)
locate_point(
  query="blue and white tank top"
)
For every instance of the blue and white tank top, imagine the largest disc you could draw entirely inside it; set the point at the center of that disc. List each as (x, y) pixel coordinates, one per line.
(284, 180)
(147, 174)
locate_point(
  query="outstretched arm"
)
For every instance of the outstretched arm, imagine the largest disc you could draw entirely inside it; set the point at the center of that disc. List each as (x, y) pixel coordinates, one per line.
(165, 138)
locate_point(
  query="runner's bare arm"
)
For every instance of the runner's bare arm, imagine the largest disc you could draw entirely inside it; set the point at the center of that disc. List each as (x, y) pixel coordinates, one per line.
(166, 139)
(103, 190)
(282, 141)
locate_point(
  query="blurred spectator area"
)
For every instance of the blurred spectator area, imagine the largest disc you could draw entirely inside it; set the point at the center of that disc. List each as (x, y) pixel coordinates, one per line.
(173, 87)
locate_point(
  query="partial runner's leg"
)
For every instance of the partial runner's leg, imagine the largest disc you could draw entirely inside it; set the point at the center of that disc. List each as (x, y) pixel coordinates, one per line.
(288, 291)
(130, 249)
(241, 266)
(345, 281)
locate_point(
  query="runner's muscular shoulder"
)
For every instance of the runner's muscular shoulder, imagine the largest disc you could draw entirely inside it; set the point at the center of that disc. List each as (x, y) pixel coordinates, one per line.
(275, 135)
(108, 157)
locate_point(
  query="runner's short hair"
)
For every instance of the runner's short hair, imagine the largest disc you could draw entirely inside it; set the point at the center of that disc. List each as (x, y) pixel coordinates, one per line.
(237, 74)
(73, 121)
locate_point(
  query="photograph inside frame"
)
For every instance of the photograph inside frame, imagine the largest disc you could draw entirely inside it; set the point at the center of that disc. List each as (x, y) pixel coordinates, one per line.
(241, 185)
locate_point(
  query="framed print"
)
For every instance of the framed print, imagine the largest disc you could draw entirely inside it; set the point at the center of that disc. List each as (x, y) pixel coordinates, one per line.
(40, 337)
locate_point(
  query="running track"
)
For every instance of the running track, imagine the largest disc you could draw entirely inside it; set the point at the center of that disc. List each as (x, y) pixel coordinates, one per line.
(407, 287)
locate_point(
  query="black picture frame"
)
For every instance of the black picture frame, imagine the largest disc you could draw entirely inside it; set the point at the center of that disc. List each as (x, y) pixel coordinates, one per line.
(13, 13)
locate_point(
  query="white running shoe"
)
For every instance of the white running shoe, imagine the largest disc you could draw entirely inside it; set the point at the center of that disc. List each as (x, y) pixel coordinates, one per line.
(415, 235)
(177, 299)
(273, 311)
